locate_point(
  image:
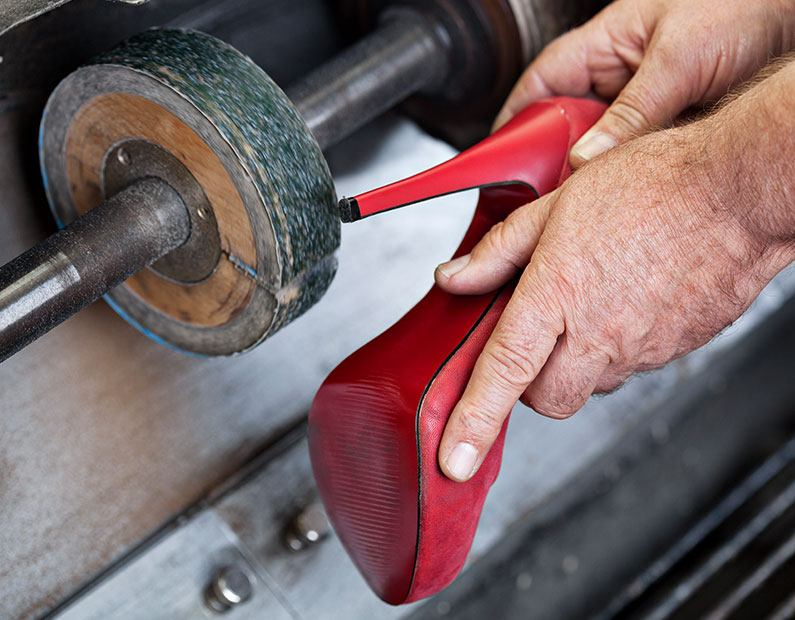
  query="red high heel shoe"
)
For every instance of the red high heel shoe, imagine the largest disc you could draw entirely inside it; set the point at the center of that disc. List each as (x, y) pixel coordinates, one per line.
(377, 421)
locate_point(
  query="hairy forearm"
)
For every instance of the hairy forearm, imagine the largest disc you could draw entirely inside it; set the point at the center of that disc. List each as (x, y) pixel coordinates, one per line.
(753, 159)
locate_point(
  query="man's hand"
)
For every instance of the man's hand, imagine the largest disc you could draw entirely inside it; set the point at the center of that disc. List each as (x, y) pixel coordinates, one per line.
(640, 257)
(655, 58)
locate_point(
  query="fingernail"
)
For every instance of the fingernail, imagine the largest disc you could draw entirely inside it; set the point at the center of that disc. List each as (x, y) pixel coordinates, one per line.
(461, 461)
(593, 143)
(450, 268)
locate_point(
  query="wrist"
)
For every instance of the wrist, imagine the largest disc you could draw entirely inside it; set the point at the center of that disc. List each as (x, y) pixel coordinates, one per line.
(748, 160)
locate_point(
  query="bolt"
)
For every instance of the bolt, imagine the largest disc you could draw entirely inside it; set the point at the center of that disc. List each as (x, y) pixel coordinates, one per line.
(123, 157)
(202, 213)
(307, 528)
(570, 564)
(231, 586)
(524, 581)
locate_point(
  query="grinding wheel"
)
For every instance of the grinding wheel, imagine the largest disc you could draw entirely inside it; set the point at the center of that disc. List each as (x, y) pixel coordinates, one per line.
(190, 109)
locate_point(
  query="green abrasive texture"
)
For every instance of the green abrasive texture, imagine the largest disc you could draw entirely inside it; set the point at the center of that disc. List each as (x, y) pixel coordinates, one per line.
(267, 134)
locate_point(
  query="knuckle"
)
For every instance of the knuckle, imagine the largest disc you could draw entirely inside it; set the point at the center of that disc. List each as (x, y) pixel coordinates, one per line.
(608, 342)
(479, 424)
(628, 112)
(500, 242)
(495, 239)
(513, 366)
(668, 52)
(522, 93)
(655, 355)
(561, 45)
(556, 405)
(559, 399)
(658, 346)
(549, 54)
(519, 223)
(564, 272)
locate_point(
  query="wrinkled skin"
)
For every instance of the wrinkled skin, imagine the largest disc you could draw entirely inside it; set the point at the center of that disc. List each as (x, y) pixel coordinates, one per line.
(652, 248)
(655, 58)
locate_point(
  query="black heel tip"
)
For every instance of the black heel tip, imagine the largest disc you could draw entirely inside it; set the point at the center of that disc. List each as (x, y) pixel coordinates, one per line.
(349, 210)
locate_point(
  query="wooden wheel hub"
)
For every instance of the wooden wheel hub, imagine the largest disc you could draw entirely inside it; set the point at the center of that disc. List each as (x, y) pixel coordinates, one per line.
(131, 160)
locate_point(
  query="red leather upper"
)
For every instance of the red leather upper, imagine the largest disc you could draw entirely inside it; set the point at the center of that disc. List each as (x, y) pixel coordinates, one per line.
(377, 420)
(509, 156)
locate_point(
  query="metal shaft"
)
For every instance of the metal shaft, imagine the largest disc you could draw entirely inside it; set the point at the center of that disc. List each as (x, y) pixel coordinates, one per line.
(64, 273)
(407, 54)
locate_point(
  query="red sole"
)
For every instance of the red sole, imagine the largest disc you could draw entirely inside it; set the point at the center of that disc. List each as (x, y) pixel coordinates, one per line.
(377, 421)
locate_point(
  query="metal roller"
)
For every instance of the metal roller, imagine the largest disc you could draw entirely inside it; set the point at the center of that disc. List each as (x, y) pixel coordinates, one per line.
(191, 110)
(245, 164)
(73, 267)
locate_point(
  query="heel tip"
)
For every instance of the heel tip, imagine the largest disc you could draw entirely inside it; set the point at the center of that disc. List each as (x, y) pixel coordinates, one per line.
(349, 210)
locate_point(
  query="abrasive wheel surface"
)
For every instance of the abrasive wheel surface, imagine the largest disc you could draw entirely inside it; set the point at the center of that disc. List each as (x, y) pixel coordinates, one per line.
(263, 172)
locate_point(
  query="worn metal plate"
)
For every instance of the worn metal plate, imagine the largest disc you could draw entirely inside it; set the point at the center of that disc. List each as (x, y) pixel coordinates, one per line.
(169, 580)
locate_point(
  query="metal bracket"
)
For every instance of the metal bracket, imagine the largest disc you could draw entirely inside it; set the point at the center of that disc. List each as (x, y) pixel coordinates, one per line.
(130, 160)
(181, 577)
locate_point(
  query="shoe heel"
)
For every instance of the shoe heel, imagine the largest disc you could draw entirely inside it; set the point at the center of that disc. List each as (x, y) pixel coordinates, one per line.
(529, 152)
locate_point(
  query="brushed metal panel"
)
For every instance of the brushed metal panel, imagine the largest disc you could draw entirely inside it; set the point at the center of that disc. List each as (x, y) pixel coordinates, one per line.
(168, 581)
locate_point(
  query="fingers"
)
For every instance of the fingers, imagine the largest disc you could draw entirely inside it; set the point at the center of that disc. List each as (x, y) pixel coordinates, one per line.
(517, 350)
(567, 380)
(653, 97)
(598, 57)
(613, 54)
(503, 252)
(560, 69)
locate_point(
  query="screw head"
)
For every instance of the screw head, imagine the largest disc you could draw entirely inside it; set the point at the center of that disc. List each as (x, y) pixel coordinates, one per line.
(570, 564)
(307, 528)
(123, 156)
(231, 586)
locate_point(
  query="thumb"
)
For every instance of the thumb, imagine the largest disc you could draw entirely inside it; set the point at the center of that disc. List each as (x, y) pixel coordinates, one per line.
(500, 255)
(653, 97)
